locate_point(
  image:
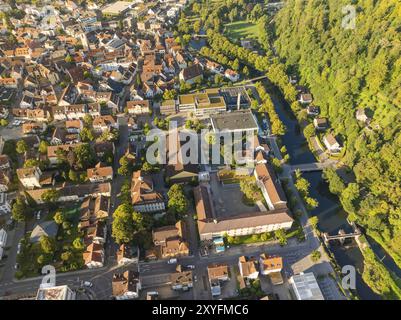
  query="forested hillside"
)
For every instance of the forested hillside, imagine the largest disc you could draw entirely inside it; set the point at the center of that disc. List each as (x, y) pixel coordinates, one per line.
(347, 70)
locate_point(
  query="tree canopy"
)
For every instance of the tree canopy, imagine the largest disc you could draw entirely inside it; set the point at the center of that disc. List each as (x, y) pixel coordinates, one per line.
(177, 201)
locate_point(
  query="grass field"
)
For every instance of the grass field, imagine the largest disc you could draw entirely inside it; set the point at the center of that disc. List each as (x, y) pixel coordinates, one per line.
(242, 30)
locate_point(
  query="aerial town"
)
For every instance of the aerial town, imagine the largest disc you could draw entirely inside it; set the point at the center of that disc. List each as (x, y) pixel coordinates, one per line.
(86, 90)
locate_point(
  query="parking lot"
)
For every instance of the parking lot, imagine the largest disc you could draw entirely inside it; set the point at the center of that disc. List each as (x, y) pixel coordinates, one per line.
(166, 292)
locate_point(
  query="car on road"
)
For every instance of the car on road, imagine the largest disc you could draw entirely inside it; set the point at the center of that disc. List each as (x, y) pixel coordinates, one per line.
(88, 284)
(38, 214)
(16, 266)
(195, 278)
(19, 248)
(190, 266)
(172, 261)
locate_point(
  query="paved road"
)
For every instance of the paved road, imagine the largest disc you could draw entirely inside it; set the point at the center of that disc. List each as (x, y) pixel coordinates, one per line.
(100, 277)
(9, 271)
(295, 257)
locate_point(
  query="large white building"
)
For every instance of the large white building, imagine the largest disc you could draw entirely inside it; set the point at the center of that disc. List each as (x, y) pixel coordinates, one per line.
(210, 226)
(306, 287)
(270, 186)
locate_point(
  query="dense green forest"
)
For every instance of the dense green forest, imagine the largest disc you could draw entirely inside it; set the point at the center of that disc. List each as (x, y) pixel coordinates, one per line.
(347, 69)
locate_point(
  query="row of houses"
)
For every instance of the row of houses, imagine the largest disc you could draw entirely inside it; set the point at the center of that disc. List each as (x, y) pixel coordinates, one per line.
(94, 212)
(320, 123)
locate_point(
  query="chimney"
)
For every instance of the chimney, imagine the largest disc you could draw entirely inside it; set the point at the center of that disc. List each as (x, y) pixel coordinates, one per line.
(239, 101)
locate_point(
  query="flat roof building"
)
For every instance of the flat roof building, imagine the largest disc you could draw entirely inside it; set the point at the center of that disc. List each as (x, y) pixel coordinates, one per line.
(306, 287)
(55, 293)
(242, 120)
(117, 8)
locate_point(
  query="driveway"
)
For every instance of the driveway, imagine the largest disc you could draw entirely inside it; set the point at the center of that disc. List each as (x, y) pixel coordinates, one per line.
(318, 148)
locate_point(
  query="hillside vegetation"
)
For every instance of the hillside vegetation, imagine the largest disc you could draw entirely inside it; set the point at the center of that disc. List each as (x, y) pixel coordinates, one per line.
(347, 69)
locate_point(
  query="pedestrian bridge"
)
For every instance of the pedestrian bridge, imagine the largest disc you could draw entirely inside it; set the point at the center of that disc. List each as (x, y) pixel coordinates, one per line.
(341, 236)
(310, 167)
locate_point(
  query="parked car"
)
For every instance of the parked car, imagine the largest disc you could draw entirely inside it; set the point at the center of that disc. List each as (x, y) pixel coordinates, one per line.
(88, 284)
(172, 261)
(19, 248)
(16, 266)
(38, 215)
(190, 266)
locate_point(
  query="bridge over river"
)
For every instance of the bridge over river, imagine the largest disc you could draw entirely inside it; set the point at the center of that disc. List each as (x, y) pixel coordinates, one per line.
(315, 166)
(341, 236)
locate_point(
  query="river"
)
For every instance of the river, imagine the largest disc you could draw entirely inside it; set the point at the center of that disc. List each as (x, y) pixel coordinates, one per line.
(331, 216)
(199, 43)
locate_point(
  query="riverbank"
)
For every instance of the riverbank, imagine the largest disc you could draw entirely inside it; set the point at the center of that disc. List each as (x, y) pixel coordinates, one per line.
(331, 217)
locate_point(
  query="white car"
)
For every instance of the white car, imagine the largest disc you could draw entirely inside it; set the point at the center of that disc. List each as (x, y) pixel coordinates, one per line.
(19, 248)
(190, 266)
(38, 215)
(172, 261)
(88, 284)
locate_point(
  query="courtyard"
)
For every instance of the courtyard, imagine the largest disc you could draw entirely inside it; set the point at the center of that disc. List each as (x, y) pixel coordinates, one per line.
(228, 199)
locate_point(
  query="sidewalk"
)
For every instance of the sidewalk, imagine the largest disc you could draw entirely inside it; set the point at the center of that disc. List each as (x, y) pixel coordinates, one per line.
(64, 274)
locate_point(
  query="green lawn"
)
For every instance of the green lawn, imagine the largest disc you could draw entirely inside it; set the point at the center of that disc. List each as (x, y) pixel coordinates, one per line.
(242, 30)
(295, 232)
